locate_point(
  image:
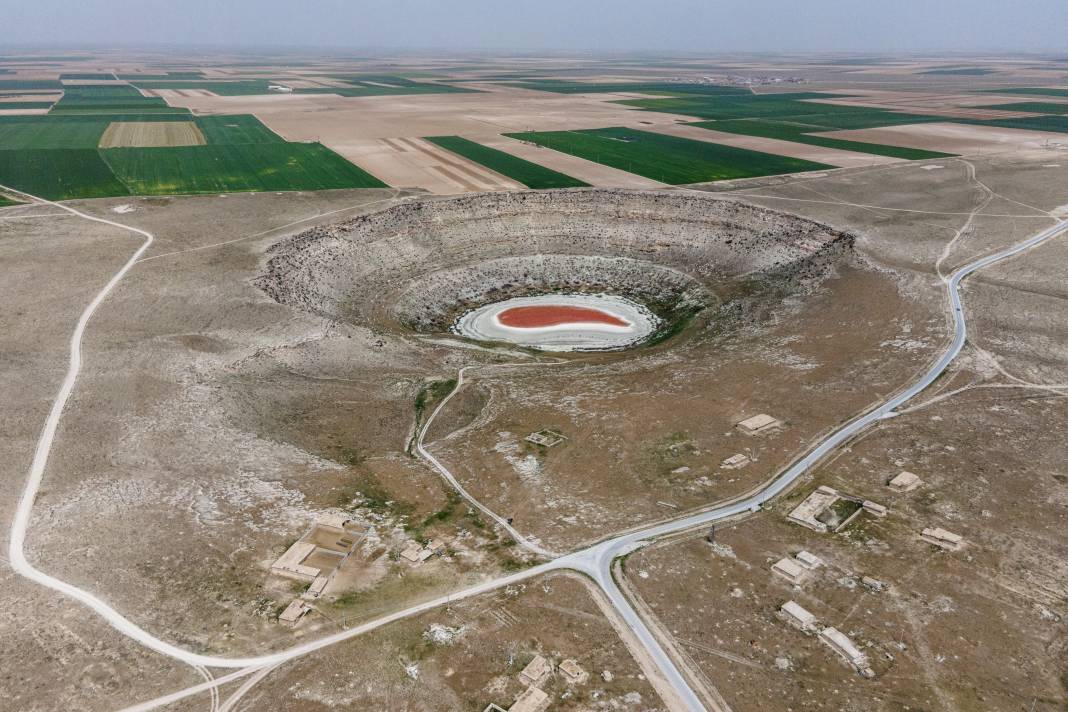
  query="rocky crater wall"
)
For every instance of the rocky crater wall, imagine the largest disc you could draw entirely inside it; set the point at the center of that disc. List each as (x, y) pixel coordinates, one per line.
(419, 264)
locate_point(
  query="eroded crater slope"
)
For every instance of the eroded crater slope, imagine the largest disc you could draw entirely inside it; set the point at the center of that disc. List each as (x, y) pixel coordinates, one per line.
(421, 264)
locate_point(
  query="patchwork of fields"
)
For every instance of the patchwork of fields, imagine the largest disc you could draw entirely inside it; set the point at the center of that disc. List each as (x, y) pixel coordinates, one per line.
(667, 88)
(106, 137)
(667, 159)
(529, 174)
(356, 85)
(809, 134)
(108, 140)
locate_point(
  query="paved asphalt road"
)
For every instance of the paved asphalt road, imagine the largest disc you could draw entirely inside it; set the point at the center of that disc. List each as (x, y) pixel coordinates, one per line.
(595, 561)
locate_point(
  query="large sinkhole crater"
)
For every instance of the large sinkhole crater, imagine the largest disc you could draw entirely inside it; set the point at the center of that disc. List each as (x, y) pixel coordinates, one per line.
(651, 259)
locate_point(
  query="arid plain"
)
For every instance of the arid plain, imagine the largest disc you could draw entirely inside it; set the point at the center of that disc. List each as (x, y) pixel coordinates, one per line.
(280, 368)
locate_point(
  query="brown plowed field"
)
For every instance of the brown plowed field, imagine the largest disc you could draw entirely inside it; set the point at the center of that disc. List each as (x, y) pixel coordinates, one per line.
(151, 133)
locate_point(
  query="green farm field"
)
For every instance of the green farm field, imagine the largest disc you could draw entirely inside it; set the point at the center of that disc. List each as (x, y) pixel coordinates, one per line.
(360, 85)
(31, 132)
(529, 174)
(111, 99)
(1033, 91)
(1056, 124)
(809, 134)
(668, 159)
(1036, 107)
(18, 84)
(235, 128)
(60, 174)
(5, 105)
(234, 168)
(241, 87)
(667, 88)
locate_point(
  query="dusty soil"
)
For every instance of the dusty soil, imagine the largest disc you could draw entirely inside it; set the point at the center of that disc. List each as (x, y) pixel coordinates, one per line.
(952, 138)
(984, 441)
(212, 424)
(151, 133)
(468, 655)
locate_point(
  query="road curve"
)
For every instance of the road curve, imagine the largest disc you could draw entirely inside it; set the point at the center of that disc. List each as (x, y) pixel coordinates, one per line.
(595, 561)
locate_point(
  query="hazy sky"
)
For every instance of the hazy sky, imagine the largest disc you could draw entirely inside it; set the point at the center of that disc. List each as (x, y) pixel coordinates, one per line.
(598, 25)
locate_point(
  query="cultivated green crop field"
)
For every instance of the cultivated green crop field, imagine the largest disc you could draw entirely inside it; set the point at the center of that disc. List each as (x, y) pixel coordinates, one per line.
(783, 107)
(1058, 124)
(803, 133)
(5, 105)
(1038, 91)
(111, 99)
(59, 174)
(168, 75)
(56, 156)
(88, 76)
(235, 128)
(29, 132)
(360, 85)
(668, 159)
(241, 87)
(529, 174)
(960, 71)
(558, 86)
(14, 84)
(234, 168)
(1036, 107)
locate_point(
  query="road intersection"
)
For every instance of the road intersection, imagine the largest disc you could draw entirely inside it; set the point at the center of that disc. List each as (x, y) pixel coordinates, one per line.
(595, 562)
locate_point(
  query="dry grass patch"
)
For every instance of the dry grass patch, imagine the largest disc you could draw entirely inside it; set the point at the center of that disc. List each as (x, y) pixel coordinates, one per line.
(147, 134)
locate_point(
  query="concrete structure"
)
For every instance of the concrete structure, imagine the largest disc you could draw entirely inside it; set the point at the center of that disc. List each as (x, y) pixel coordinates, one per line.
(904, 481)
(289, 564)
(412, 553)
(874, 508)
(294, 612)
(536, 672)
(840, 643)
(573, 672)
(790, 570)
(758, 424)
(797, 616)
(735, 462)
(417, 554)
(546, 438)
(328, 542)
(942, 538)
(809, 560)
(531, 700)
(316, 588)
(815, 504)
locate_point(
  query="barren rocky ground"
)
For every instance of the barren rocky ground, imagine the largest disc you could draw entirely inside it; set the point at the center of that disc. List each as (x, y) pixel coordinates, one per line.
(214, 421)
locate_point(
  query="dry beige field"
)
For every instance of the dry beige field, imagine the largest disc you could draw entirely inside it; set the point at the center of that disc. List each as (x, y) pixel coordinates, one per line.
(820, 154)
(355, 127)
(145, 134)
(23, 112)
(415, 162)
(953, 138)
